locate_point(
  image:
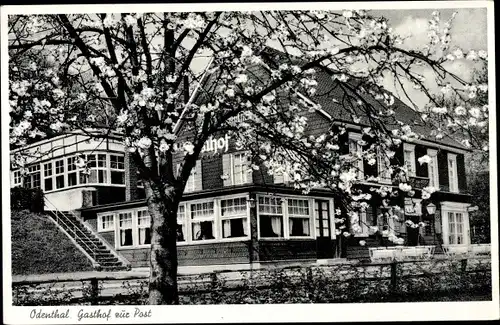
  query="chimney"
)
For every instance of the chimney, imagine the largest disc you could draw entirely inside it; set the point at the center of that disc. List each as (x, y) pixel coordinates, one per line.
(130, 177)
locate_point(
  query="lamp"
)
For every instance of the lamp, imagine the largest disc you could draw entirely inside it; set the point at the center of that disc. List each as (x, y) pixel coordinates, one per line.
(251, 202)
(431, 208)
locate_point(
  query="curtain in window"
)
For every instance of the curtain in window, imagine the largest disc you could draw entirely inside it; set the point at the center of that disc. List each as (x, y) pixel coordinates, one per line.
(226, 225)
(276, 225)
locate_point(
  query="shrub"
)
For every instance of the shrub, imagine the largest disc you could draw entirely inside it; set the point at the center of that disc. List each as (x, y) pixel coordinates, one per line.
(27, 198)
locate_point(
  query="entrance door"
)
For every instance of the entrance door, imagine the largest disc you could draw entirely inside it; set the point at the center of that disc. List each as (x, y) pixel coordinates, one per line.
(324, 243)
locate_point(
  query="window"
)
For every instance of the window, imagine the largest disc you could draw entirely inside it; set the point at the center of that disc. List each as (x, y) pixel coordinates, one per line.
(125, 229)
(48, 182)
(194, 182)
(202, 220)
(17, 178)
(356, 150)
(432, 166)
(236, 169)
(181, 223)
(98, 168)
(384, 166)
(270, 217)
(282, 176)
(234, 217)
(452, 172)
(144, 227)
(72, 171)
(32, 178)
(117, 166)
(409, 157)
(299, 218)
(59, 173)
(240, 169)
(456, 228)
(106, 223)
(362, 230)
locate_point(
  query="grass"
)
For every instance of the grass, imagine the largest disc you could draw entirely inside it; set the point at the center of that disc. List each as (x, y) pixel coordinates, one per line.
(38, 247)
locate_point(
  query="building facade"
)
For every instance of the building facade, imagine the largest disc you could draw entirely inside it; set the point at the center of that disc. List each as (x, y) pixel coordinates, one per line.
(232, 214)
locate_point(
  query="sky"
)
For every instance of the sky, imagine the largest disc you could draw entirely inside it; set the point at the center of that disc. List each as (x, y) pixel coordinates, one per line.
(469, 32)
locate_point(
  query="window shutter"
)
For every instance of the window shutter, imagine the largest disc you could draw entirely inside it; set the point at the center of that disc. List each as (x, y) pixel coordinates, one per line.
(444, 183)
(198, 177)
(227, 170)
(462, 181)
(249, 169)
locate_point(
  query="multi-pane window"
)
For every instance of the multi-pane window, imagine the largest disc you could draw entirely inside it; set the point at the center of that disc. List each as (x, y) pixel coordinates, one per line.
(456, 228)
(202, 220)
(270, 216)
(299, 218)
(432, 167)
(125, 229)
(48, 181)
(32, 178)
(59, 172)
(452, 172)
(194, 182)
(144, 227)
(409, 157)
(282, 176)
(72, 171)
(240, 169)
(234, 217)
(356, 150)
(236, 169)
(181, 223)
(117, 168)
(384, 166)
(17, 178)
(106, 222)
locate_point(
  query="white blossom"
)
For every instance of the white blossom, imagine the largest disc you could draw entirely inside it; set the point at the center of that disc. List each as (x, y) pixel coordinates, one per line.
(424, 159)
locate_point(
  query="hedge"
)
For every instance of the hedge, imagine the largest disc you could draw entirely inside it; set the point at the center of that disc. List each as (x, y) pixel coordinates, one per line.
(27, 199)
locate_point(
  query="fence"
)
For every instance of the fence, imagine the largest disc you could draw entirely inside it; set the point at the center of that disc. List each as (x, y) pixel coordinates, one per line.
(394, 281)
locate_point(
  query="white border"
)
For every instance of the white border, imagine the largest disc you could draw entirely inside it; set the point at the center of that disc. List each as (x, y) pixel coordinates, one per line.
(256, 313)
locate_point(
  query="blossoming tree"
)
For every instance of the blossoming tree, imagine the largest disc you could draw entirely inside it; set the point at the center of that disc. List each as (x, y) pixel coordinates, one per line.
(125, 72)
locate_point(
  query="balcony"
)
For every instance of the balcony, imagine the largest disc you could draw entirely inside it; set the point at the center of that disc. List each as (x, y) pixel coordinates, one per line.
(418, 182)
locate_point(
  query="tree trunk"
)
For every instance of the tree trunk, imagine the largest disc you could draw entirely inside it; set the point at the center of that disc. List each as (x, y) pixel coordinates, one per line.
(163, 260)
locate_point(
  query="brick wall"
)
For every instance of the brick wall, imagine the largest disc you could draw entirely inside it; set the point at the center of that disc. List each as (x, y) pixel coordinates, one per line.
(204, 254)
(109, 236)
(287, 249)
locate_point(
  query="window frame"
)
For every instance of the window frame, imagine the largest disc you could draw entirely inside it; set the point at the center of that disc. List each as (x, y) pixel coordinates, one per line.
(408, 147)
(285, 217)
(17, 178)
(452, 183)
(382, 159)
(356, 138)
(119, 229)
(116, 169)
(100, 221)
(245, 215)
(433, 177)
(309, 216)
(211, 218)
(454, 207)
(139, 226)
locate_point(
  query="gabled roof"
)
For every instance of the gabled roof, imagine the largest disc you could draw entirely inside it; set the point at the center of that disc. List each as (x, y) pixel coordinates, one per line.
(331, 95)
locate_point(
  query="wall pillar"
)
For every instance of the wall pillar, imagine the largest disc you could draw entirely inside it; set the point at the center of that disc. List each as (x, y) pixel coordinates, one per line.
(254, 241)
